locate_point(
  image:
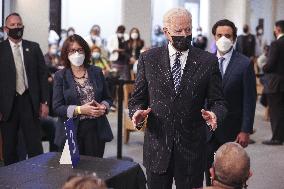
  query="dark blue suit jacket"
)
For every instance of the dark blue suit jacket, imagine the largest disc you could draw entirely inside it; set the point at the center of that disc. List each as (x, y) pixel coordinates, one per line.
(239, 88)
(64, 95)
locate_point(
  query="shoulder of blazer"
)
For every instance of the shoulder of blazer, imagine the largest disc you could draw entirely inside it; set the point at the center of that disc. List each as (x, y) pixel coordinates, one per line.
(155, 52)
(241, 59)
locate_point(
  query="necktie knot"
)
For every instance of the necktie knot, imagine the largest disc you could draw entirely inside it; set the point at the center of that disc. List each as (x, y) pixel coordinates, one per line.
(178, 54)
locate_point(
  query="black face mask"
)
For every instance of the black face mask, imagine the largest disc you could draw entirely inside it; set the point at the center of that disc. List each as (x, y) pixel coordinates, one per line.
(182, 43)
(16, 33)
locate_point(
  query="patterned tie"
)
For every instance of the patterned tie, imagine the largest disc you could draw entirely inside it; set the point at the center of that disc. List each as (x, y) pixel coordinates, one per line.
(221, 60)
(176, 71)
(20, 77)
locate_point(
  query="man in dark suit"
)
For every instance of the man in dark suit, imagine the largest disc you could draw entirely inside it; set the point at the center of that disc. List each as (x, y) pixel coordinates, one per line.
(246, 43)
(172, 85)
(274, 73)
(24, 91)
(239, 89)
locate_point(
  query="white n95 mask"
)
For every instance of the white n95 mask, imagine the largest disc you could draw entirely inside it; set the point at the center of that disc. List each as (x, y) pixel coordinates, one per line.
(224, 44)
(76, 59)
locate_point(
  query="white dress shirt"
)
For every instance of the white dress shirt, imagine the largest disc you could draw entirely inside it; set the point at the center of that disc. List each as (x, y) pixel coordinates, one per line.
(172, 54)
(227, 57)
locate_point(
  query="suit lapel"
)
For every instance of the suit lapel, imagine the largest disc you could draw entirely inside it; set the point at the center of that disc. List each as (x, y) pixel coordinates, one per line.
(165, 69)
(26, 54)
(189, 70)
(229, 69)
(71, 83)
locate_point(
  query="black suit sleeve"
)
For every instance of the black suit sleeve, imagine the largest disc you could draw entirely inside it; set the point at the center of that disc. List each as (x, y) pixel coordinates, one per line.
(43, 75)
(215, 96)
(249, 99)
(270, 66)
(139, 99)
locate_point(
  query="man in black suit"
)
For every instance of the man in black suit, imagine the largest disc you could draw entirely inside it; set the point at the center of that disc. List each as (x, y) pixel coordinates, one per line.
(246, 43)
(239, 88)
(24, 91)
(274, 73)
(172, 85)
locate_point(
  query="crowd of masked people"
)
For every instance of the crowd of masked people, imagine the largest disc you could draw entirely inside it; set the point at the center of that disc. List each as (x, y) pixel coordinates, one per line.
(75, 79)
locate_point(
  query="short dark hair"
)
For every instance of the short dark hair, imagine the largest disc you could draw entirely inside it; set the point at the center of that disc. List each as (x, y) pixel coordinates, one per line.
(280, 24)
(120, 29)
(13, 14)
(65, 50)
(225, 22)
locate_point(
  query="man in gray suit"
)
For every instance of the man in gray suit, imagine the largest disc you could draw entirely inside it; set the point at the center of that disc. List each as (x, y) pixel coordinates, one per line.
(172, 85)
(24, 90)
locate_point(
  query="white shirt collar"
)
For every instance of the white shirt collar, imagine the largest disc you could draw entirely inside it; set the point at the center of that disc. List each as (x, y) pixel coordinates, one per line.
(280, 35)
(172, 50)
(13, 44)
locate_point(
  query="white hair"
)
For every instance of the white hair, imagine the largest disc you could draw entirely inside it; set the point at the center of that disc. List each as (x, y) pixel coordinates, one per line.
(173, 13)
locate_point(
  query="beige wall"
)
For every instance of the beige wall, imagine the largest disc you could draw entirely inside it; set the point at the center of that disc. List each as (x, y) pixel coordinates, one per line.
(35, 15)
(137, 13)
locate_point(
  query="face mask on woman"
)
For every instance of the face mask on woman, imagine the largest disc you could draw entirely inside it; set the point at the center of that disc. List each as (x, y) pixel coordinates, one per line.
(134, 35)
(96, 55)
(76, 59)
(224, 44)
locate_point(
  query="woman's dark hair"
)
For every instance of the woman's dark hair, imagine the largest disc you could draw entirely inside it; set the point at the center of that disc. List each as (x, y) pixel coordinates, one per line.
(225, 22)
(140, 42)
(66, 46)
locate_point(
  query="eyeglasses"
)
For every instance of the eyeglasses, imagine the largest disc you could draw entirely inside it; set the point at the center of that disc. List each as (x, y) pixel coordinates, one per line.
(79, 50)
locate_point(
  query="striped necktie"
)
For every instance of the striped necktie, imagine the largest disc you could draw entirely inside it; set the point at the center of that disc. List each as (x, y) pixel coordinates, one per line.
(221, 60)
(176, 71)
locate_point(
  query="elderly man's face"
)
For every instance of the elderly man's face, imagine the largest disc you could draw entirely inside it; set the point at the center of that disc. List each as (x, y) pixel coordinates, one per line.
(180, 26)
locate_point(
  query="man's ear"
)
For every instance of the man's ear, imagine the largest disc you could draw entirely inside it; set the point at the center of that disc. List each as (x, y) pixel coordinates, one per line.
(250, 173)
(5, 29)
(212, 174)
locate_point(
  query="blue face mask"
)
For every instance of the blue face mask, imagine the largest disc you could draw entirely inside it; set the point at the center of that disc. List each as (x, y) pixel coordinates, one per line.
(96, 55)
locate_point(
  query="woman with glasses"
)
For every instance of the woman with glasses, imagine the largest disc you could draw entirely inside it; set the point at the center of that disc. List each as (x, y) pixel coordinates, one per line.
(80, 93)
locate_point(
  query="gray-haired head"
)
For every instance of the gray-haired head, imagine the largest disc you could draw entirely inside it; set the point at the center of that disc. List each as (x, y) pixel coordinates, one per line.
(175, 13)
(231, 164)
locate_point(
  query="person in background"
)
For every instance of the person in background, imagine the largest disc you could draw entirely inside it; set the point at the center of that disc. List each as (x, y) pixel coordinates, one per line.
(262, 59)
(53, 37)
(63, 37)
(231, 167)
(80, 92)
(260, 41)
(70, 31)
(239, 89)
(200, 41)
(99, 61)
(246, 44)
(24, 91)
(171, 87)
(133, 48)
(274, 74)
(52, 59)
(95, 39)
(118, 56)
(158, 38)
